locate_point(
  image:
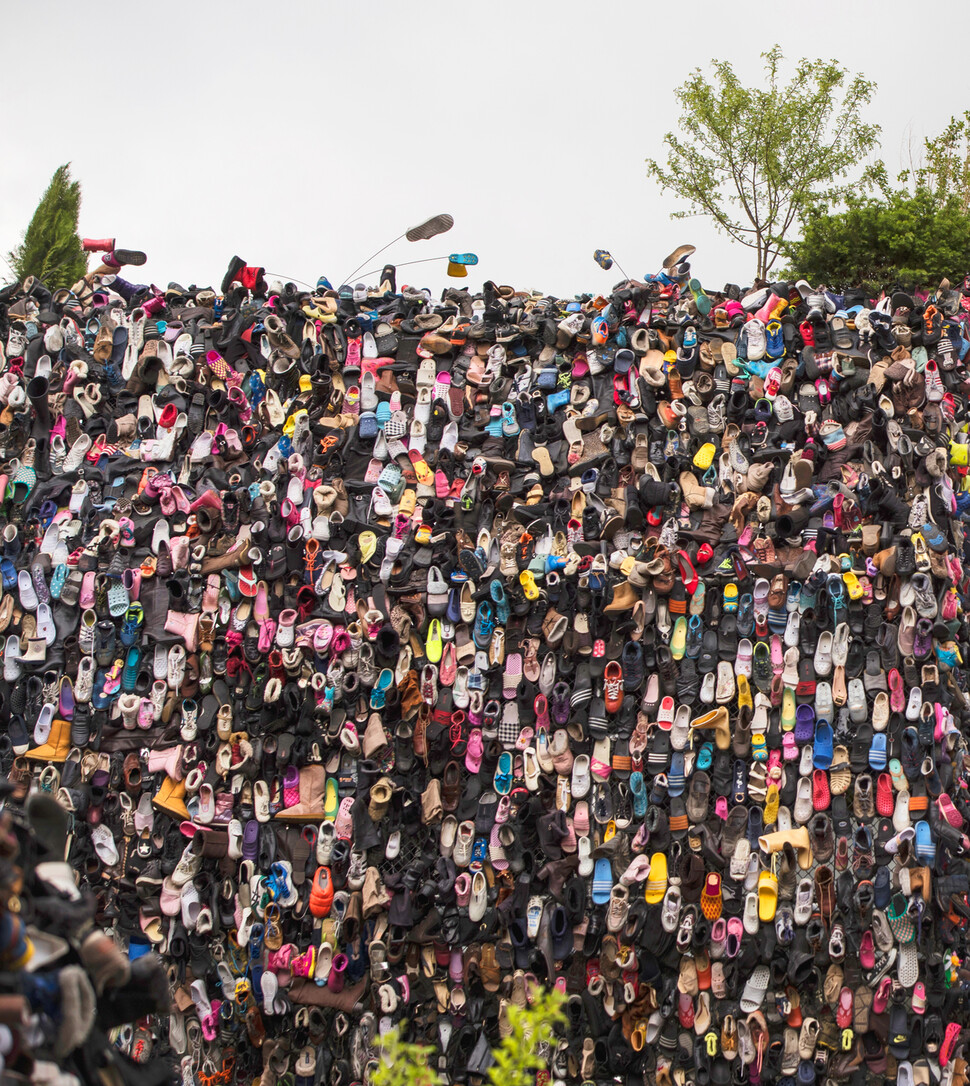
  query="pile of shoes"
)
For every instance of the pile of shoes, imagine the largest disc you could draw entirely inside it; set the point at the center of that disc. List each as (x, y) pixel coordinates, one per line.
(392, 657)
(66, 987)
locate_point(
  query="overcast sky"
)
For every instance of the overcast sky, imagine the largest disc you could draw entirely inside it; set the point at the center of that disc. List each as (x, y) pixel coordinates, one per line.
(303, 136)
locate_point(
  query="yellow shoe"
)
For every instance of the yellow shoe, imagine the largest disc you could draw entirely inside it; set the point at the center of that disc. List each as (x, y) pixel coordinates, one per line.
(772, 802)
(788, 710)
(656, 885)
(433, 646)
(331, 802)
(704, 456)
(959, 454)
(730, 598)
(744, 693)
(529, 586)
(767, 897)
(367, 542)
(853, 584)
(678, 643)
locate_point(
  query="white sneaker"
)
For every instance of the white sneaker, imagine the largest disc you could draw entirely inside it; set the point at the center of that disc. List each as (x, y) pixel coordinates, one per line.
(189, 865)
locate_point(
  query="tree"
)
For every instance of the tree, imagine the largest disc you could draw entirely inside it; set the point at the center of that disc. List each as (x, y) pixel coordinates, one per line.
(51, 248)
(885, 238)
(945, 171)
(757, 160)
(526, 1046)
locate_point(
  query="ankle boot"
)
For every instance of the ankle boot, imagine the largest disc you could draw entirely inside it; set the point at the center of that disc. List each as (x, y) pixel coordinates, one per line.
(313, 785)
(171, 798)
(797, 838)
(57, 745)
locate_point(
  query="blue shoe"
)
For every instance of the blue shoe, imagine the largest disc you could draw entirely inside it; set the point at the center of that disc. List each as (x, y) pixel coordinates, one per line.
(824, 745)
(379, 693)
(675, 778)
(925, 845)
(130, 674)
(638, 790)
(878, 752)
(484, 624)
(497, 592)
(602, 881)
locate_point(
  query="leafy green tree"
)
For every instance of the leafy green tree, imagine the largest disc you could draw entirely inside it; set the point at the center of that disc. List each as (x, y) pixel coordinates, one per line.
(886, 238)
(51, 247)
(757, 160)
(525, 1048)
(945, 170)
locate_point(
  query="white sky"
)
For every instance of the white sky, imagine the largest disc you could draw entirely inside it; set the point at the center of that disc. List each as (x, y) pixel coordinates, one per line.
(303, 136)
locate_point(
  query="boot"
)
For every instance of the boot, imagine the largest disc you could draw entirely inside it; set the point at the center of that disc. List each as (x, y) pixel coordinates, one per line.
(696, 496)
(313, 786)
(797, 838)
(37, 390)
(57, 746)
(624, 598)
(719, 720)
(232, 559)
(171, 798)
(381, 794)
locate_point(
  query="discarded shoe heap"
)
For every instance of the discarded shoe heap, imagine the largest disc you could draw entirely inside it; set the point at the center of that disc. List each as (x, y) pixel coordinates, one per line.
(393, 657)
(64, 982)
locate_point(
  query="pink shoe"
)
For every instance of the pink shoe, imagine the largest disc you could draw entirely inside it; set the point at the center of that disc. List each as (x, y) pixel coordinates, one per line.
(337, 973)
(210, 1022)
(279, 961)
(949, 1043)
(291, 786)
(302, 965)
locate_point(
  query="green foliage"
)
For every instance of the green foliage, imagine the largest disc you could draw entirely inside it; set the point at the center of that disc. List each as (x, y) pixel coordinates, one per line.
(885, 239)
(526, 1048)
(51, 248)
(945, 172)
(404, 1064)
(758, 160)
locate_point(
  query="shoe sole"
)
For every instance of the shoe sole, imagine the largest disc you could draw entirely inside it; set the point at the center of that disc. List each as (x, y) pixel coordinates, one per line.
(134, 257)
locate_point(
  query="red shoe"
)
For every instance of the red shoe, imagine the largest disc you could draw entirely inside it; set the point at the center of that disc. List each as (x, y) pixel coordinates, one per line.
(613, 686)
(687, 572)
(885, 803)
(821, 796)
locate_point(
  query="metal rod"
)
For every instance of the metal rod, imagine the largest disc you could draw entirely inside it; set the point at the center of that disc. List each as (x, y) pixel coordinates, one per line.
(620, 266)
(356, 270)
(293, 279)
(403, 264)
(408, 263)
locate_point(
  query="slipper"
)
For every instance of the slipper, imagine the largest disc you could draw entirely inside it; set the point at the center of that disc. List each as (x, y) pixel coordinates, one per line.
(602, 881)
(424, 473)
(878, 751)
(824, 745)
(755, 989)
(657, 883)
(701, 300)
(540, 454)
(925, 845)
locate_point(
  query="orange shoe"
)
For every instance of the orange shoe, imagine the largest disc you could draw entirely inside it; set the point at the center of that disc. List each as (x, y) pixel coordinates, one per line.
(711, 896)
(321, 892)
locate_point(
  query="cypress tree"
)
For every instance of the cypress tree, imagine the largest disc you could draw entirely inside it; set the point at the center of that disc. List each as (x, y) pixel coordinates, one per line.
(51, 247)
